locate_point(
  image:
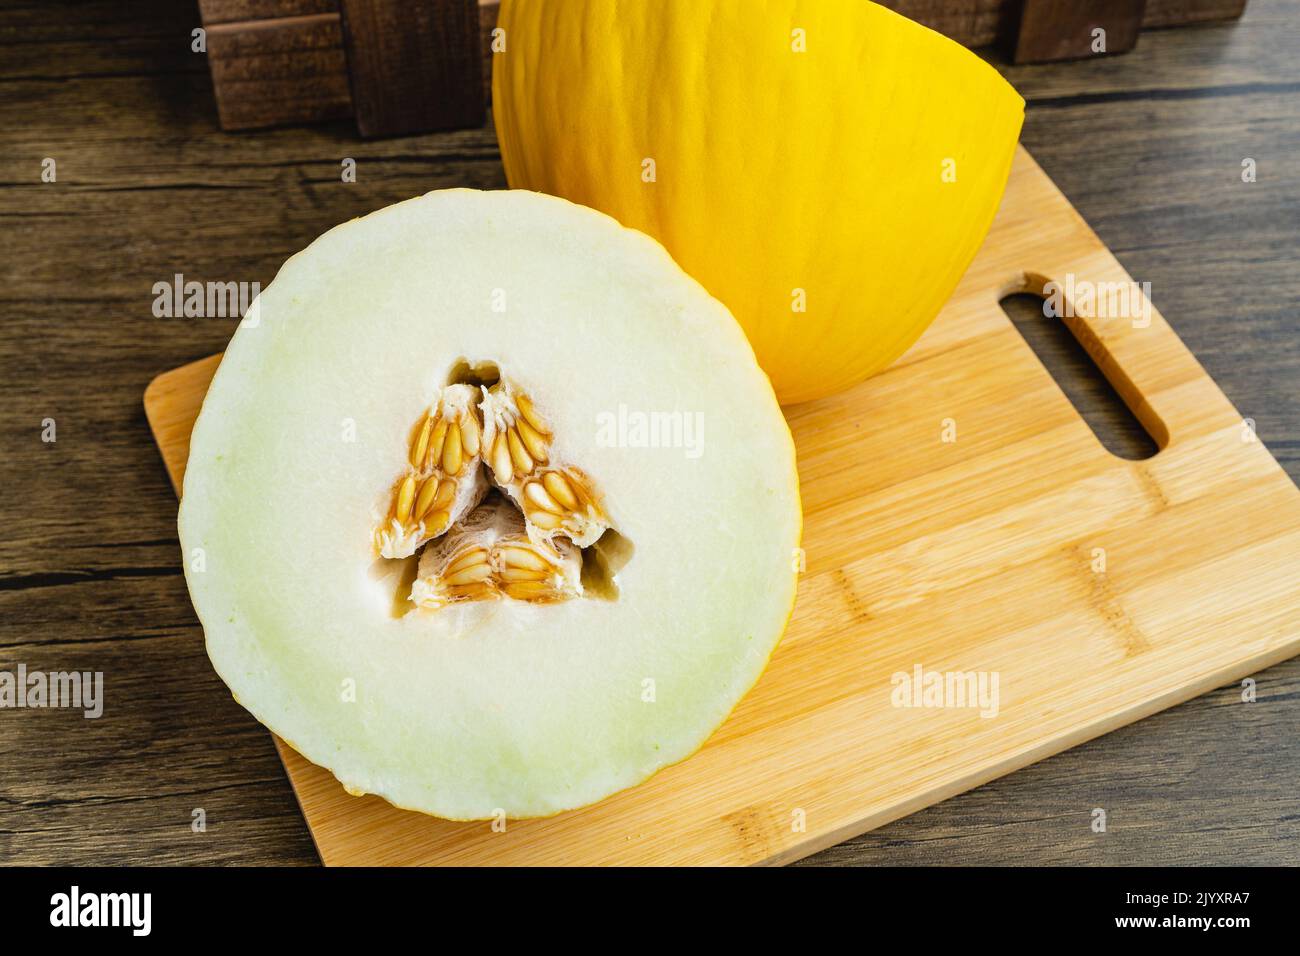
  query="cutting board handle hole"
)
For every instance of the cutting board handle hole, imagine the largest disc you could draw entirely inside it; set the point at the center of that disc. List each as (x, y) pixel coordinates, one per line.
(1112, 407)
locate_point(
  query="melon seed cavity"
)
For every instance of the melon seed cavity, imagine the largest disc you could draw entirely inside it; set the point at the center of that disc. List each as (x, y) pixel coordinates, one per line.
(491, 513)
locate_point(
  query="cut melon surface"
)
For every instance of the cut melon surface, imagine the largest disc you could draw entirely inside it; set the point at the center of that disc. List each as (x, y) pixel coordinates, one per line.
(647, 391)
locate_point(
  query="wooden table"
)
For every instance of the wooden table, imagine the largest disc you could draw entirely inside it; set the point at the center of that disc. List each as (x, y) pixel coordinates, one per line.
(1148, 146)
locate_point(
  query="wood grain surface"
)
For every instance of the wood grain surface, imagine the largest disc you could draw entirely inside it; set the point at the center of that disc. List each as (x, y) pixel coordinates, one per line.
(276, 62)
(287, 70)
(1147, 146)
(413, 67)
(1065, 29)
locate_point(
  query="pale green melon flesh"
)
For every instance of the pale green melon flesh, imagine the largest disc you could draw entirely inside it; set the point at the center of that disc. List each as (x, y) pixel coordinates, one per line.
(505, 707)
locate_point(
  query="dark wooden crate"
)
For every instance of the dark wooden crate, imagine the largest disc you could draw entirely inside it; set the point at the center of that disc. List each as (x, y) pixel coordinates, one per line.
(397, 66)
(405, 66)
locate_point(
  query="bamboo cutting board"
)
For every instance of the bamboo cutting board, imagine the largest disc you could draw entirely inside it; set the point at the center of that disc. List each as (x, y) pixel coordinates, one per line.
(1098, 590)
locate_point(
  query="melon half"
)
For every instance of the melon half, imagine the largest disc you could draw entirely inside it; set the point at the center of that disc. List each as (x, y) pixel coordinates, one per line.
(489, 508)
(826, 168)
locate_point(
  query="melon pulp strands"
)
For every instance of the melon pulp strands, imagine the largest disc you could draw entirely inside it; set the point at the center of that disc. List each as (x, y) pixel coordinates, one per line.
(490, 555)
(556, 500)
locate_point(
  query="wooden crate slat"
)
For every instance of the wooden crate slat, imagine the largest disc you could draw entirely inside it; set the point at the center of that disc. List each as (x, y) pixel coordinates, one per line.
(1176, 13)
(289, 70)
(1053, 30)
(235, 11)
(969, 22)
(414, 66)
(487, 22)
(307, 72)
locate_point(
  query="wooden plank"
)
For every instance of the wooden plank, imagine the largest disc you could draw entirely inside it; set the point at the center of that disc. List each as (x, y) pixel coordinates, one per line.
(969, 22)
(1236, 60)
(233, 11)
(922, 553)
(103, 38)
(272, 72)
(1075, 29)
(977, 23)
(414, 66)
(487, 22)
(1176, 13)
(290, 69)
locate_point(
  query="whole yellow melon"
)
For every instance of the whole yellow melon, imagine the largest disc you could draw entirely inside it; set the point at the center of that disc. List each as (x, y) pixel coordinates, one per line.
(826, 168)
